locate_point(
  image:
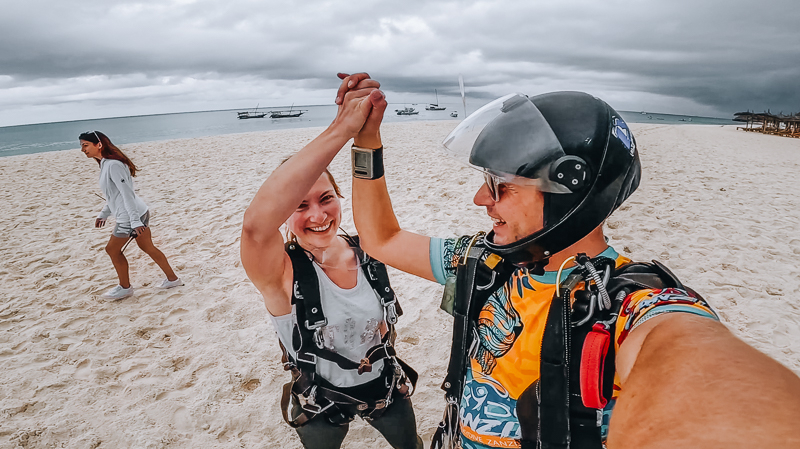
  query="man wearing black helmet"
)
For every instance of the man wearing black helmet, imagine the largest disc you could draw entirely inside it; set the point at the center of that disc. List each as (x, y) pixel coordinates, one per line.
(553, 328)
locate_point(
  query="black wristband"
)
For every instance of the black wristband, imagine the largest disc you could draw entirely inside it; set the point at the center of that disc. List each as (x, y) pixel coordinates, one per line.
(367, 163)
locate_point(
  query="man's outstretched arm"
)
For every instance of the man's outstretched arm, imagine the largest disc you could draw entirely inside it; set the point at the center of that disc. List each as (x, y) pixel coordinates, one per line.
(688, 382)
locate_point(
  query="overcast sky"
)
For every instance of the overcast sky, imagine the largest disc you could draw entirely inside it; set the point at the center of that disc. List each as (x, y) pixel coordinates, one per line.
(78, 59)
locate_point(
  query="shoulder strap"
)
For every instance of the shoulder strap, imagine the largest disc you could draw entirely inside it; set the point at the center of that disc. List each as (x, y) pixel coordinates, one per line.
(478, 274)
(305, 288)
(568, 416)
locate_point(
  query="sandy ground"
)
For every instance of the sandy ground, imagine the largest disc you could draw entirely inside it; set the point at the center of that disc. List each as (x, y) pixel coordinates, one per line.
(198, 366)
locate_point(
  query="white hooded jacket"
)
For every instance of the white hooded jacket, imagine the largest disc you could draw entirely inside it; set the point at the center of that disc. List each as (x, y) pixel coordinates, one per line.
(116, 183)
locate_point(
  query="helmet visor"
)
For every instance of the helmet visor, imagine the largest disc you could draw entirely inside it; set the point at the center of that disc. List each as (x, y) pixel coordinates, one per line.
(509, 137)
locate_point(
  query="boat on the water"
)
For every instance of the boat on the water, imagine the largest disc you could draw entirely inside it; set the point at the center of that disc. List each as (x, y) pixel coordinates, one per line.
(435, 106)
(291, 113)
(454, 114)
(287, 114)
(406, 111)
(251, 114)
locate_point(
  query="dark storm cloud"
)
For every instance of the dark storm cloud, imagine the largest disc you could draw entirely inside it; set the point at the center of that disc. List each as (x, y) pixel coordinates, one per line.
(711, 57)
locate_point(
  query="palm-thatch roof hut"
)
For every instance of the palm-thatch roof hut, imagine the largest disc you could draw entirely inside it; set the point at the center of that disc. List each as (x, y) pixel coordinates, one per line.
(769, 123)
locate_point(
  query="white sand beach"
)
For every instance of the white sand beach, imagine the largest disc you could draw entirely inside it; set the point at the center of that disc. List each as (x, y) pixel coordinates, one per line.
(198, 366)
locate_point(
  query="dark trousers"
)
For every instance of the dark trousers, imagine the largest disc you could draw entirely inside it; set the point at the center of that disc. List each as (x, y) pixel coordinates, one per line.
(397, 424)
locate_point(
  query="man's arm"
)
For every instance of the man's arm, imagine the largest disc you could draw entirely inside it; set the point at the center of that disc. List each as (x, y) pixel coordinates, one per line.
(378, 229)
(687, 381)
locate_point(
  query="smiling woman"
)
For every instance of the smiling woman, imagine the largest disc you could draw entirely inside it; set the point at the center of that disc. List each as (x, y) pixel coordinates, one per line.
(331, 305)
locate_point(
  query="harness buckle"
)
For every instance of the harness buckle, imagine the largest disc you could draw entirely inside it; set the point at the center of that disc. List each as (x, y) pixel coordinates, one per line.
(391, 313)
(306, 357)
(318, 340)
(365, 366)
(380, 403)
(316, 325)
(362, 407)
(311, 398)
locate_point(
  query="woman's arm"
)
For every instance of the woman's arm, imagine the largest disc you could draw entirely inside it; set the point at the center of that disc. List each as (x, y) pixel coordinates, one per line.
(263, 256)
(120, 175)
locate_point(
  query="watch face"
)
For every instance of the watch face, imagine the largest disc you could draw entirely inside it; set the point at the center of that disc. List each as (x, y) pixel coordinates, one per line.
(362, 163)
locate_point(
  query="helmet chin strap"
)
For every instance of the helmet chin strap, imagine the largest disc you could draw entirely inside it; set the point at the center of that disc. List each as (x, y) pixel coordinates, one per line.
(519, 253)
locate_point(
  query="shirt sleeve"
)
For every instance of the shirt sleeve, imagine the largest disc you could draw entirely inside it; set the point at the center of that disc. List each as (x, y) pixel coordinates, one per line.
(642, 305)
(105, 212)
(121, 177)
(444, 255)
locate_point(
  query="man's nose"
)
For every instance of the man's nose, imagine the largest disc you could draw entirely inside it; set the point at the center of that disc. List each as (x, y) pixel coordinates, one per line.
(483, 197)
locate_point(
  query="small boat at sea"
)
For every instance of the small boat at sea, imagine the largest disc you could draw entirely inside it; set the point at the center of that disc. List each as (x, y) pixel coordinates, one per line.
(291, 113)
(406, 111)
(251, 114)
(435, 106)
(454, 114)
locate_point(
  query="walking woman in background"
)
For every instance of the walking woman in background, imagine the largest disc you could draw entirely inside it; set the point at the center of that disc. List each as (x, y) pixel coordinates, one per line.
(130, 212)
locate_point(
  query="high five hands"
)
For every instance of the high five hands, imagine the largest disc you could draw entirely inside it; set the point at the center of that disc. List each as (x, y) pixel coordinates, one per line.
(372, 102)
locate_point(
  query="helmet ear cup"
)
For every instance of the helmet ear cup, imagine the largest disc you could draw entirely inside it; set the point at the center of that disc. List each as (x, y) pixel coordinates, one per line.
(571, 172)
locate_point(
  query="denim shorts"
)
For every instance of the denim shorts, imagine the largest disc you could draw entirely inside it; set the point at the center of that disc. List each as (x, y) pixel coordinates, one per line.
(123, 231)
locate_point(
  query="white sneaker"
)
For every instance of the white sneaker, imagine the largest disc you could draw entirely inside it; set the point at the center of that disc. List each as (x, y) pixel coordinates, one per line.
(169, 284)
(117, 293)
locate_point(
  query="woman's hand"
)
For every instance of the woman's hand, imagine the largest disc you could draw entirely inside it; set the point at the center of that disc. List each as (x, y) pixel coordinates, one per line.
(369, 136)
(356, 97)
(138, 231)
(99, 222)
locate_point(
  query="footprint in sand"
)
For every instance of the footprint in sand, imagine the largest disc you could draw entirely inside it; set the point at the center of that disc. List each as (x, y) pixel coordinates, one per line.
(83, 370)
(182, 420)
(175, 316)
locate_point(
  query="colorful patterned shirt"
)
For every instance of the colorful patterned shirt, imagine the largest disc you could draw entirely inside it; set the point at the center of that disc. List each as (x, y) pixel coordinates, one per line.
(510, 327)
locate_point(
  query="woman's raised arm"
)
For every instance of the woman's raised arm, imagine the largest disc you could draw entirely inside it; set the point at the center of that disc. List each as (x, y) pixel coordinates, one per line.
(263, 256)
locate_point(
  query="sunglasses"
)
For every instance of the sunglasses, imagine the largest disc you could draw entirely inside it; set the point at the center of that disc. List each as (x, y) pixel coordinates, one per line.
(493, 182)
(95, 134)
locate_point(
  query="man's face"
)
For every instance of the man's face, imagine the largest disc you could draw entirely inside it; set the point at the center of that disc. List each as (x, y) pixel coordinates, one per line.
(518, 213)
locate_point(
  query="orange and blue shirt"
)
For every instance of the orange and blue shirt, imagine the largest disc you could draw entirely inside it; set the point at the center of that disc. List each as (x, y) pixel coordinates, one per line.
(510, 327)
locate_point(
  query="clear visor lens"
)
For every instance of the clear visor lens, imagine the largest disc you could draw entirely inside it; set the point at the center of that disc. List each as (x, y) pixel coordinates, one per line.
(511, 140)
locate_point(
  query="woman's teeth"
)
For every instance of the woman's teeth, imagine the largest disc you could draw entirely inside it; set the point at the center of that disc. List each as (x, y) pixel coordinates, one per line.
(321, 228)
(497, 221)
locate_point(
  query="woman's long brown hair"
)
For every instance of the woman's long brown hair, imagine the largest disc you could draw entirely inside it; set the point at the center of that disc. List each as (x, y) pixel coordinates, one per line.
(108, 150)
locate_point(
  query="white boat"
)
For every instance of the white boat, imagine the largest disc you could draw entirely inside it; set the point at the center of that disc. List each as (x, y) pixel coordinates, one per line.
(292, 112)
(251, 114)
(435, 106)
(454, 114)
(406, 111)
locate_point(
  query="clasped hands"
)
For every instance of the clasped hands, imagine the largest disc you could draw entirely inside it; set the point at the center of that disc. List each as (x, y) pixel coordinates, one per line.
(361, 107)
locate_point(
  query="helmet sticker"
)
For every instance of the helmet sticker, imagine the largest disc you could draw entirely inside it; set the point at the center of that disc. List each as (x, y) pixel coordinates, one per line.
(621, 132)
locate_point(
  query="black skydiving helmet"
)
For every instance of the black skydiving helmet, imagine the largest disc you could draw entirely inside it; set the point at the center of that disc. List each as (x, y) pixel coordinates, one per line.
(573, 147)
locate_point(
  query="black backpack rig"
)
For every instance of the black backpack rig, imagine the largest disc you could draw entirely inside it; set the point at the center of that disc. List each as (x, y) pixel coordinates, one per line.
(314, 394)
(564, 408)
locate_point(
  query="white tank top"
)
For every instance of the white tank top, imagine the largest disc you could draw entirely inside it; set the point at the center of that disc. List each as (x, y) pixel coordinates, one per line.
(354, 321)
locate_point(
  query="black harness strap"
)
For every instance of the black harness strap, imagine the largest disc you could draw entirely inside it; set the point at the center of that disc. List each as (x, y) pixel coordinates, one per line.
(313, 394)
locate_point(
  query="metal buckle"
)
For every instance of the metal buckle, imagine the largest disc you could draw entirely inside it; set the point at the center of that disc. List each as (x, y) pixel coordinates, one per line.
(318, 340)
(391, 313)
(316, 325)
(379, 404)
(312, 358)
(362, 407)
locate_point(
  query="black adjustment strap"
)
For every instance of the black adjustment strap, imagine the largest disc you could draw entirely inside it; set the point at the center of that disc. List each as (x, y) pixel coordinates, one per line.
(554, 376)
(305, 282)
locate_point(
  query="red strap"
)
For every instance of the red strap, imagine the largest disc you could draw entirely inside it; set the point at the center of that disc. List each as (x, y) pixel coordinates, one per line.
(593, 358)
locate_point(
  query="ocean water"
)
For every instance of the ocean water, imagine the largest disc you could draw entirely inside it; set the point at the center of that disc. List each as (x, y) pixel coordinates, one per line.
(28, 139)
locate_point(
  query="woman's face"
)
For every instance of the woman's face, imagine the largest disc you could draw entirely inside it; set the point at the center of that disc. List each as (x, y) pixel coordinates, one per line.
(91, 149)
(316, 221)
